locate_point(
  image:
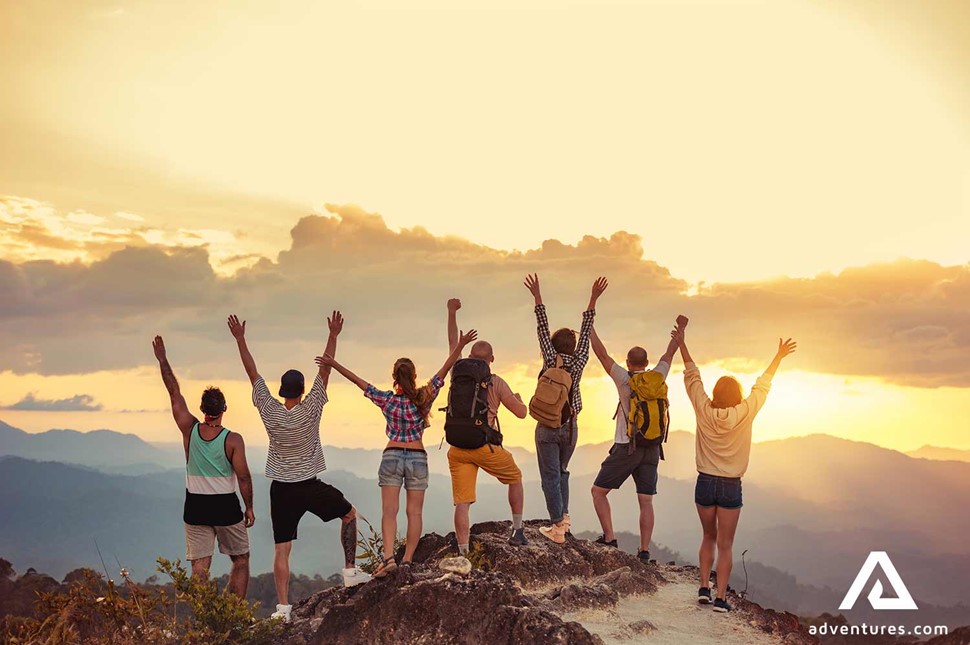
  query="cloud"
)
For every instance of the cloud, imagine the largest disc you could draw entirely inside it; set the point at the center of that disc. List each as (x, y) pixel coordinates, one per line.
(76, 403)
(905, 321)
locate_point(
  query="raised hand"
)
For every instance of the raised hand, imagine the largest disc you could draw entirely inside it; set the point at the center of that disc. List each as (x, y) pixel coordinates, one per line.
(454, 304)
(682, 321)
(158, 345)
(598, 288)
(786, 347)
(677, 334)
(466, 338)
(236, 328)
(335, 322)
(532, 284)
(325, 361)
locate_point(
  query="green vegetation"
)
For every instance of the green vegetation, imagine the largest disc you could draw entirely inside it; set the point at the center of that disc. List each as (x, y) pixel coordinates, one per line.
(89, 610)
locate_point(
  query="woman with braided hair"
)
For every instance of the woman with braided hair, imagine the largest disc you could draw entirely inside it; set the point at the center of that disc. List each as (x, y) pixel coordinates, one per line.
(406, 409)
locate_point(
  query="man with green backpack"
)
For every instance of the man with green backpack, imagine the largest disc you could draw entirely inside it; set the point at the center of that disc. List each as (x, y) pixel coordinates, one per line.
(642, 422)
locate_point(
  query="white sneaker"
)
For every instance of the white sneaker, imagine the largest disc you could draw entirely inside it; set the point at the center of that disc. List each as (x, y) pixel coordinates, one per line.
(354, 576)
(283, 611)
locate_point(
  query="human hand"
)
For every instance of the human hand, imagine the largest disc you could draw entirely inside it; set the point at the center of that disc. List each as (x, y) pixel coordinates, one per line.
(532, 284)
(250, 518)
(237, 329)
(158, 346)
(454, 304)
(786, 347)
(464, 338)
(325, 361)
(335, 322)
(598, 288)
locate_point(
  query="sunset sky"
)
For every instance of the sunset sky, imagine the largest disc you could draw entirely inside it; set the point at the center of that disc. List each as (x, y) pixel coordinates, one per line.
(796, 168)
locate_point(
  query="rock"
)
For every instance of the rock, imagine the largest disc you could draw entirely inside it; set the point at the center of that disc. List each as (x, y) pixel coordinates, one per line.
(459, 565)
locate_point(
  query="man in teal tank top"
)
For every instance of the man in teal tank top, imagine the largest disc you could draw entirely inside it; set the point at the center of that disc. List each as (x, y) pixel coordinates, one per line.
(215, 463)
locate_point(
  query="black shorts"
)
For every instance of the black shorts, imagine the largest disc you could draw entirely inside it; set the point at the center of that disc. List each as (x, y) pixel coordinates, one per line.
(723, 492)
(289, 501)
(620, 464)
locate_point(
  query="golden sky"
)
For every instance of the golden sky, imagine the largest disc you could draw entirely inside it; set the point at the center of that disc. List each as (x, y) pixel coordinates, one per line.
(155, 157)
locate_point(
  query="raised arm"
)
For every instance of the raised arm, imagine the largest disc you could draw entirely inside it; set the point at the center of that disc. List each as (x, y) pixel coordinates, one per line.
(180, 411)
(237, 456)
(454, 304)
(463, 340)
(784, 349)
(238, 331)
(336, 324)
(692, 376)
(329, 361)
(600, 350)
(542, 322)
(582, 343)
(673, 345)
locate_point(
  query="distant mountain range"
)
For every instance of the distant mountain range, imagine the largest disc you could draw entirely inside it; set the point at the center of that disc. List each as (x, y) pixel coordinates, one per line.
(940, 454)
(815, 507)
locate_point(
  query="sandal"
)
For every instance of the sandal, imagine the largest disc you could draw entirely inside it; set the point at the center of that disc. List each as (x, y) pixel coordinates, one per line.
(386, 567)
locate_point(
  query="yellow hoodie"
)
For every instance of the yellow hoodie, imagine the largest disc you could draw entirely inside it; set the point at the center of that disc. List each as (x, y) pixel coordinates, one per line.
(723, 444)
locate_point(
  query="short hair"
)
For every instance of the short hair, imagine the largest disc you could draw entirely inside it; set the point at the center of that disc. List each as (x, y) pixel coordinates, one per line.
(564, 341)
(213, 401)
(637, 356)
(481, 349)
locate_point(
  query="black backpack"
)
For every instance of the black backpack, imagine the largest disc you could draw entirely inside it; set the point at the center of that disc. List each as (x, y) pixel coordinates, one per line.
(466, 420)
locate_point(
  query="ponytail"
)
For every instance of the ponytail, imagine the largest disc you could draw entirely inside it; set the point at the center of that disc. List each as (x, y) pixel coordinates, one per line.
(405, 375)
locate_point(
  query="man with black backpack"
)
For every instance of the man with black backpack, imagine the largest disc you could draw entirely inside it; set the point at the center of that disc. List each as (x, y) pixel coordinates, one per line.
(472, 430)
(642, 422)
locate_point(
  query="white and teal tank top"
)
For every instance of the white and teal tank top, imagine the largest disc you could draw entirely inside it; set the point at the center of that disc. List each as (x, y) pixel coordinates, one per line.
(210, 482)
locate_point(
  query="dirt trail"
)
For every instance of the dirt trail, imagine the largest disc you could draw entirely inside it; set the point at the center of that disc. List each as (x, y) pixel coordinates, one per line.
(675, 616)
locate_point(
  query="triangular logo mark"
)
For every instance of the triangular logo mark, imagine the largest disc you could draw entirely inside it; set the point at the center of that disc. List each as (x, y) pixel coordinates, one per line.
(903, 598)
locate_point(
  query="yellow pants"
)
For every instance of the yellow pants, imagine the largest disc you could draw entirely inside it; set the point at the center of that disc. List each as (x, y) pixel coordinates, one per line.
(464, 465)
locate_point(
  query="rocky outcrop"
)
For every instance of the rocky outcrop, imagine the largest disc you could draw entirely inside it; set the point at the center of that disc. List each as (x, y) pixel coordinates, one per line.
(513, 595)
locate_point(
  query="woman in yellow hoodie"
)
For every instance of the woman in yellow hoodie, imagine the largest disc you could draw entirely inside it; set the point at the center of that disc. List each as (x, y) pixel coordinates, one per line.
(723, 446)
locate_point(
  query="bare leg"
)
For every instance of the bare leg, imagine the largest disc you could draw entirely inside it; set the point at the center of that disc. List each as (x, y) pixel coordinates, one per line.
(200, 567)
(602, 507)
(390, 504)
(348, 538)
(646, 520)
(414, 504)
(239, 575)
(727, 525)
(705, 557)
(462, 522)
(516, 498)
(281, 572)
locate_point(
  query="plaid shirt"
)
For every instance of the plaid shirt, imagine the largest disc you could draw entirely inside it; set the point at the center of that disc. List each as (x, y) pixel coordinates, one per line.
(575, 362)
(404, 420)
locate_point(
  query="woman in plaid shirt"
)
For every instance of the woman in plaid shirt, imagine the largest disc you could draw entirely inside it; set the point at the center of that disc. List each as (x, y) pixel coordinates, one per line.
(406, 409)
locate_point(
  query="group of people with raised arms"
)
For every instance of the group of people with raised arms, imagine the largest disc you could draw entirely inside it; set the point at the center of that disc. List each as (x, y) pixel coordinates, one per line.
(216, 460)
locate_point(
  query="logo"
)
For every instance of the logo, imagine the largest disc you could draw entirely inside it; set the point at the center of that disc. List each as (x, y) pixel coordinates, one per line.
(903, 599)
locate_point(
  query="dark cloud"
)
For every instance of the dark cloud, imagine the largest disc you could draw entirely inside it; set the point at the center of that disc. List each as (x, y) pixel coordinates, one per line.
(906, 321)
(76, 403)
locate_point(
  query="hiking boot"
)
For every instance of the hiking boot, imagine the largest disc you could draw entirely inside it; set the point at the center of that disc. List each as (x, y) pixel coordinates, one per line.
(283, 612)
(556, 532)
(721, 606)
(602, 540)
(518, 538)
(354, 576)
(643, 556)
(704, 595)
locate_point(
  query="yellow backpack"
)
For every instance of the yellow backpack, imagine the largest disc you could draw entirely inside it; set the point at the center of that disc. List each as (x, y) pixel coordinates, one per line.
(648, 418)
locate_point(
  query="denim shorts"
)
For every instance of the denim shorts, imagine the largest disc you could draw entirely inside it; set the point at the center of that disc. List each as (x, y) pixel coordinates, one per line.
(406, 467)
(724, 492)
